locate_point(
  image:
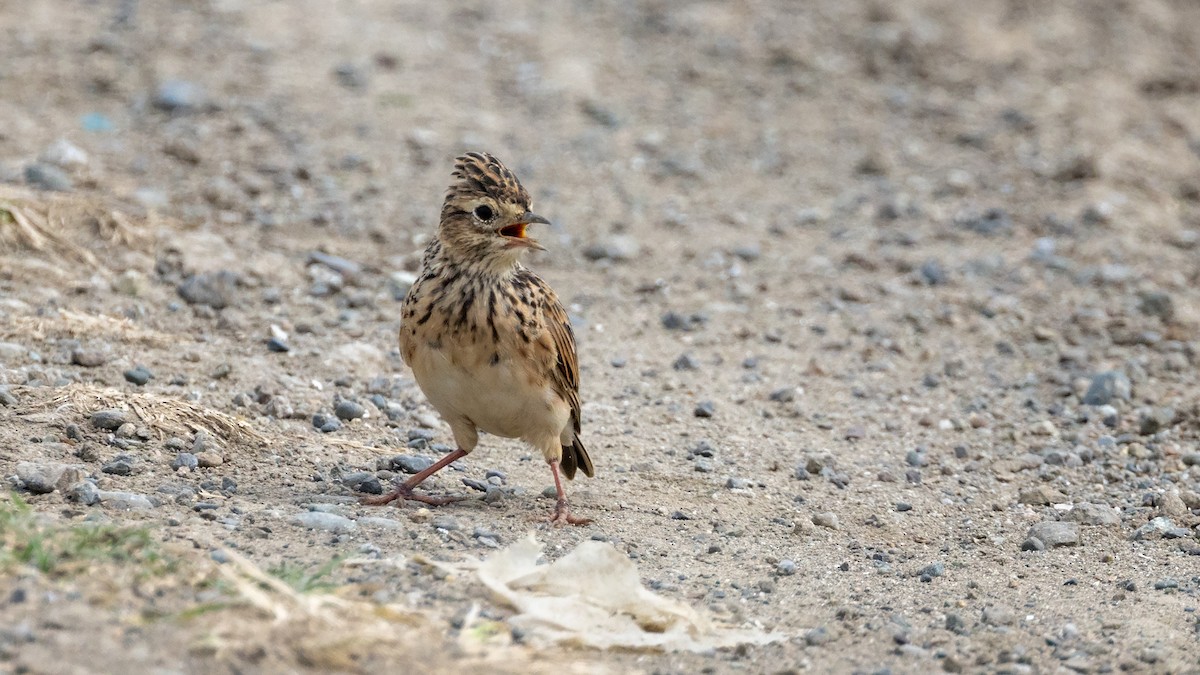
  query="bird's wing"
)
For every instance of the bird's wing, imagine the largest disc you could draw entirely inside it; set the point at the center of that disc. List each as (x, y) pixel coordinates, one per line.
(565, 374)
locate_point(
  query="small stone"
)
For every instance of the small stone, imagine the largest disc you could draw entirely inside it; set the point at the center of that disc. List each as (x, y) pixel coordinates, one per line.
(618, 248)
(932, 273)
(329, 522)
(1085, 513)
(675, 321)
(738, 484)
(1033, 544)
(381, 523)
(65, 154)
(7, 398)
(1155, 419)
(279, 407)
(120, 466)
(784, 395)
(999, 615)
(704, 465)
(955, 624)
(1157, 303)
(411, 464)
(903, 506)
(1056, 533)
(928, 572)
(448, 523)
(214, 289)
(347, 409)
(138, 375)
(326, 423)
(178, 96)
(363, 481)
(126, 501)
(686, 362)
(84, 492)
(786, 568)
(1165, 584)
(209, 459)
(110, 419)
(1107, 387)
(704, 409)
(278, 345)
(817, 636)
(40, 478)
(826, 519)
(48, 177)
(185, 460)
(89, 358)
(1042, 495)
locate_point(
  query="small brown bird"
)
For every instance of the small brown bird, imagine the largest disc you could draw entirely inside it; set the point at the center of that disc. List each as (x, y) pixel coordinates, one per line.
(488, 341)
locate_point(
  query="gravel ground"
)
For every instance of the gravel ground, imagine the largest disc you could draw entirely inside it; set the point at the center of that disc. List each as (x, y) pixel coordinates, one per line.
(887, 318)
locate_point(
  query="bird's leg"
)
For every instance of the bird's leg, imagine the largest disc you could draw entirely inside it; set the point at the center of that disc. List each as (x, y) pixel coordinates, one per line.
(404, 490)
(562, 515)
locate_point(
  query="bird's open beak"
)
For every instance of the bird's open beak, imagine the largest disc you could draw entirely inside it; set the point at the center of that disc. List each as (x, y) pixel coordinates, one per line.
(515, 233)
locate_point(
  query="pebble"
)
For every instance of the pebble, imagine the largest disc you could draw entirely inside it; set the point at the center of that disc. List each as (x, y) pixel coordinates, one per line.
(826, 519)
(89, 358)
(1086, 513)
(999, 615)
(329, 522)
(704, 409)
(928, 572)
(279, 407)
(618, 248)
(738, 484)
(686, 362)
(185, 460)
(786, 568)
(411, 463)
(126, 501)
(110, 419)
(1107, 387)
(347, 409)
(363, 481)
(84, 492)
(326, 423)
(213, 289)
(817, 636)
(675, 321)
(784, 395)
(65, 154)
(1042, 495)
(40, 478)
(1054, 534)
(448, 523)
(209, 459)
(1157, 303)
(1165, 584)
(138, 375)
(178, 96)
(932, 273)
(278, 345)
(381, 523)
(7, 398)
(1155, 419)
(1162, 526)
(48, 177)
(122, 465)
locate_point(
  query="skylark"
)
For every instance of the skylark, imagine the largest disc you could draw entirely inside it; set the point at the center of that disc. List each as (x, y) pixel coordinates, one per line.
(488, 341)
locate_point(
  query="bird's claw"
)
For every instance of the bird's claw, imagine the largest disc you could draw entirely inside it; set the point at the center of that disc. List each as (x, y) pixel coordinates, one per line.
(562, 516)
(404, 493)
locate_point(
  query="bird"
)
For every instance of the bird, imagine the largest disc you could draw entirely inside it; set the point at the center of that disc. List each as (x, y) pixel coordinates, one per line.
(488, 341)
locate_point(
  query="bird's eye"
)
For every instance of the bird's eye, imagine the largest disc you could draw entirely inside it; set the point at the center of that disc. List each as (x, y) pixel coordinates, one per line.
(484, 212)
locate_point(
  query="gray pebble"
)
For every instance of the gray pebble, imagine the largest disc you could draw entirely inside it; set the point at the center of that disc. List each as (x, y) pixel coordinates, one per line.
(349, 410)
(411, 463)
(826, 519)
(110, 419)
(932, 273)
(1086, 513)
(278, 345)
(178, 96)
(955, 624)
(212, 289)
(1155, 419)
(7, 398)
(1033, 544)
(127, 501)
(1165, 584)
(784, 395)
(279, 407)
(704, 409)
(928, 572)
(1107, 387)
(40, 478)
(686, 362)
(1157, 303)
(675, 321)
(362, 481)
(704, 465)
(1055, 533)
(381, 523)
(89, 358)
(817, 636)
(619, 248)
(48, 177)
(326, 423)
(999, 615)
(903, 506)
(992, 222)
(738, 484)
(138, 375)
(329, 522)
(1157, 526)
(84, 492)
(122, 465)
(786, 568)
(445, 523)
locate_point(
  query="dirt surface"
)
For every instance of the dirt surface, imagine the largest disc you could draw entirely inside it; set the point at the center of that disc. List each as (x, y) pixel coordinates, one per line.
(853, 285)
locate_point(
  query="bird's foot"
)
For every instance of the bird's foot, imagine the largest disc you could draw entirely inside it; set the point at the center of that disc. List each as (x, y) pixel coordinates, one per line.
(404, 493)
(562, 516)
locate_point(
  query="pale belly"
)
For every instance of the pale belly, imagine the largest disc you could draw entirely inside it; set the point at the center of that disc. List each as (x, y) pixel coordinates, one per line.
(497, 398)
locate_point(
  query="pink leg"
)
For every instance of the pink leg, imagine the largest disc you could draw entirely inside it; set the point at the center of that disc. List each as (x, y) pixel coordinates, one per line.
(405, 490)
(562, 515)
